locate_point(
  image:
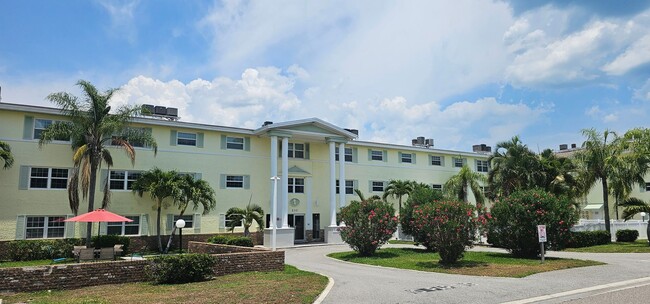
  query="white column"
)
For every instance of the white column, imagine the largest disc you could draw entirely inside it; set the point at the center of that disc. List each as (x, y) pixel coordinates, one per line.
(332, 184)
(308, 216)
(285, 182)
(274, 184)
(342, 175)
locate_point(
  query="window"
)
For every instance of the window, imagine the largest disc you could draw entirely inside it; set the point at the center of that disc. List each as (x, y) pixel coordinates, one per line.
(296, 185)
(436, 160)
(39, 227)
(235, 143)
(349, 186)
(189, 220)
(377, 186)
(376, 155)
(41, 124)
(186, 139)
(234, 181)
(235, 219)
(48, 178)
(124, 228)
(647, 186)
(459, 162)
(482, 165)
(406, 158)
(122, 180)
(436, 187)
(296, 150)
(348, 154)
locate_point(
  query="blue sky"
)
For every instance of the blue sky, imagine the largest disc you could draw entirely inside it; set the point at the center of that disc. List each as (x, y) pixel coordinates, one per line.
(461, 72)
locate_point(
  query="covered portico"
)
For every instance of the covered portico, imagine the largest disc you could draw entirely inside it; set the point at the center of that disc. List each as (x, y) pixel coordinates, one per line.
(302, 144)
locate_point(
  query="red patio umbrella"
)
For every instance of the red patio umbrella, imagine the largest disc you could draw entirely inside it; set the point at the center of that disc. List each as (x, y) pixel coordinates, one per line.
(99, 215)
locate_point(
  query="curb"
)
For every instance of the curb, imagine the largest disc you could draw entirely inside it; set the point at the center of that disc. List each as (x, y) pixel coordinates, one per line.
(325, 292)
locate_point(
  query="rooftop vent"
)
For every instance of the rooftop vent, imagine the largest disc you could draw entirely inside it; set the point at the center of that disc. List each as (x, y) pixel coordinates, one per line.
(422, 142)
(354, 131)
(564, 147)
(266, 123)
(573, 146)
(482, 148)
(160, 112)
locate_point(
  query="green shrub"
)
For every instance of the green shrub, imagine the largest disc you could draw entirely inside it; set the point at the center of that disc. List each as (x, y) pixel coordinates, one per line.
(105, 241)
(369, 224)
(626, 235)
(448, 226)
(514, 221)
(240, 241)
(419, 196)
(580, 239)
(185, 268)
(220, 239)
(29, 250)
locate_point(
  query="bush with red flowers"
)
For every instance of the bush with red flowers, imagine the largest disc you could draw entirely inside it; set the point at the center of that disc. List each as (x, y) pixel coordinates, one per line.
(369, 223)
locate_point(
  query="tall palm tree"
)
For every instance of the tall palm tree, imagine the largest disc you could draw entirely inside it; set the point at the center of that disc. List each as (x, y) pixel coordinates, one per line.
(513, 167)
(162, 187)
(196, 192)
(560, 175)
(623, 177)
(397, 189)
(599, 154)
(633, 206)
(91, 128)
(252, 213)
(5, 155)
(458, 186)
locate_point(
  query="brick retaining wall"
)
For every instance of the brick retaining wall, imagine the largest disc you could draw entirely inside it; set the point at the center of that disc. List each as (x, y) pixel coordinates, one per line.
(235, 259)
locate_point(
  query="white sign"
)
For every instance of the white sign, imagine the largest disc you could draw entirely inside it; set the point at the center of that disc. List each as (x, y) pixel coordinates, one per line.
(541, 233)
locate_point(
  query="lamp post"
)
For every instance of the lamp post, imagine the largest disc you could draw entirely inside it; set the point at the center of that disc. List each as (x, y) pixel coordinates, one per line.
(642, 217)
(180, 224)
(274, 207)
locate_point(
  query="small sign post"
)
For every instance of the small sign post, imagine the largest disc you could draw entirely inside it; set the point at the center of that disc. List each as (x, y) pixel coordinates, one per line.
(541, 235)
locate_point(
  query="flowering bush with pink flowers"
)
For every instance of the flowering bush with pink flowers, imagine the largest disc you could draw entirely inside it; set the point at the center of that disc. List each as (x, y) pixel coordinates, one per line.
(448, 226)
(369, 223)
(514, 221)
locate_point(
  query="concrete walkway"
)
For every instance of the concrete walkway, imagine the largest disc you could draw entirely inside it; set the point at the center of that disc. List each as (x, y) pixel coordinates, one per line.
(355, 283)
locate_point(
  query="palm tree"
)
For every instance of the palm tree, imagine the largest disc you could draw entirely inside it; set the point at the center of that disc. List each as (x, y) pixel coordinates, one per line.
(162, 187)
(5, 155)
(633, 206)
(397, 189)
(196, 192)
(252, 213)
(600, 155)
(560, 175)
(513, 167)
(91, 128)
(458, 186)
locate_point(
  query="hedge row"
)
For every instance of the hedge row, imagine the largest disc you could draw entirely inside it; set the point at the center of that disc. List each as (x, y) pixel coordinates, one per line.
(231, 240)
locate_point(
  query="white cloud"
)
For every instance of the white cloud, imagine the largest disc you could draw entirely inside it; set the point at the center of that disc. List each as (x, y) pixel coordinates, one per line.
(610, 118)
(122, 17)
(643, 93)
(637, 54)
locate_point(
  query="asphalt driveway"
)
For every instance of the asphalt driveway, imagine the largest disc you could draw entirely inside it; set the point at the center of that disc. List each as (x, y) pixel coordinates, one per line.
(355, 283)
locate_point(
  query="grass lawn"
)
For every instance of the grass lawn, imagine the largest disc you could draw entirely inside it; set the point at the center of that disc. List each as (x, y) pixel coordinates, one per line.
(640, 246)
(34, 263)
(474, 263)
(289, 286)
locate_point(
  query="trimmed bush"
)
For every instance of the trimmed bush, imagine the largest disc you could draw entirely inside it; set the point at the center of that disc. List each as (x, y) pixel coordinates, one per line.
(580, 239)
(105, 241)
(242, 241)
(419, 196)
(29, 250)
(176, 269)
(449, 226)
(219, 239)
(515, 218)
(626, 235)
(369, 224)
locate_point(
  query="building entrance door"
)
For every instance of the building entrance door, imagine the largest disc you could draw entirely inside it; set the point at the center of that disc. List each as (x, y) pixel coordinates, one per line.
(299, 225)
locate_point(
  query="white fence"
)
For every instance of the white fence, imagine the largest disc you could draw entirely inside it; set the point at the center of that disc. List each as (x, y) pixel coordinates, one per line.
(592, 225)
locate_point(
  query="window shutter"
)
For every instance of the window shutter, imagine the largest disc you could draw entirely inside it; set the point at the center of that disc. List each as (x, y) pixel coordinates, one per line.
(197, 223)
(144, 224)
(170, 222)
(464, 161)
(355, 185)
(23, 182)
(642, 188)
(369, 186)
(385, 156)
(28, 128)
(199, 140)
(222, 181)
(222, 220)
(247, 143)
(306, 150)
(103, 227)
(369, 154)
(355, 157)
(69, 227)
(198, 176)
(413, 158)
(20, 227)
(399, 157)
(224, 143)
(103, 177)
(247, 181)
(172, 138)
(385, 185)
(442, 160)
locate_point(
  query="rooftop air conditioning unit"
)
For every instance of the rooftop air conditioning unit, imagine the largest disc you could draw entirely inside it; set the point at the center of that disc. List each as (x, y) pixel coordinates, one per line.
(420, 140)
(172, 112)
(429, 142)
(147, 109)
(564, 147)
(158, 110)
